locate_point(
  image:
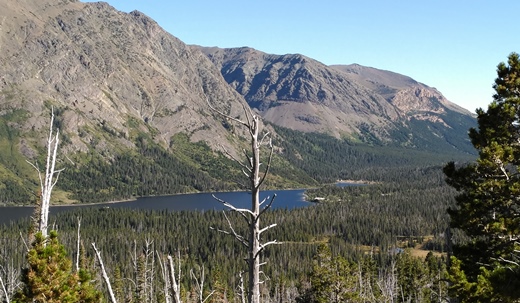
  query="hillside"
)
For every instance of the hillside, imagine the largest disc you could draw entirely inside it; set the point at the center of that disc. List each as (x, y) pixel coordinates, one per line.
(356, 102)
(106, 66)
(131, 103)
(119, 85)
(403, 92)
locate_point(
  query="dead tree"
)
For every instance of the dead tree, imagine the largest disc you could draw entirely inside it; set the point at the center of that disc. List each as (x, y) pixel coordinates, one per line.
(78, 244)
(175, 281)
(166, 279)
(251, 168)
(9, 279)
(199, 285)
(104, 273)
(48, 181)
(4, 289)
(149, 270)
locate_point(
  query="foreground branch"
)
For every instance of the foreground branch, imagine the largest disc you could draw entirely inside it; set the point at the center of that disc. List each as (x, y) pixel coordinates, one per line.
(105, 276)
(4, 289)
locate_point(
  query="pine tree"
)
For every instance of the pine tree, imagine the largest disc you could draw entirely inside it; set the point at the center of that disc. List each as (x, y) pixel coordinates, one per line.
(488, 204)
(50, 278)
(333, 279)
(466, 291)
(411, 277)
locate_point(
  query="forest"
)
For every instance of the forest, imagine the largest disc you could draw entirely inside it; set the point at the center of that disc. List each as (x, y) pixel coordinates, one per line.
(361, 227)
(305, 160)
(384, 241)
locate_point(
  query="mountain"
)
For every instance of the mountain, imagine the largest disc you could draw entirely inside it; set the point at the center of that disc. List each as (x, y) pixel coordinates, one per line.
(350, 101)
(106, 67)
(130, 100)
(131, 103)
(406, 94)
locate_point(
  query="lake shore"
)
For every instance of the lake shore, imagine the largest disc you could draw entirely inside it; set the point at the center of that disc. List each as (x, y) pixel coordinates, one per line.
(64, 204)
(287, 199)
(70, 204)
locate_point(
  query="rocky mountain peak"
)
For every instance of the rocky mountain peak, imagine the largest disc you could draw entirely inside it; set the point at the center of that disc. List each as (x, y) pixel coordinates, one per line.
(344, 100)
(106, 68)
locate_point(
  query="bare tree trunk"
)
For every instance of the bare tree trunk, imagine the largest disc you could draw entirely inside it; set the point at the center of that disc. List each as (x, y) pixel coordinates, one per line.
(387, 283)
(252, 216)
(152, 273)
(175, 281)
(12, 281)
(254, 227)
(47, 183)
(78, 245)
(148, 274)
(136, 270)
(4, 289)
(241, 289)
(165, 279)
(105, 276)
(199, 285)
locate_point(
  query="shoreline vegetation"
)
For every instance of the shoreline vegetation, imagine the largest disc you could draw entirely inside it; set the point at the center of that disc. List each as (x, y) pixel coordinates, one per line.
(64, 204)
(73, 204)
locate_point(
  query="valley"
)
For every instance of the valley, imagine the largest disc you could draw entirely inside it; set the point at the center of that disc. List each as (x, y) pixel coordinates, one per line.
(141, 115)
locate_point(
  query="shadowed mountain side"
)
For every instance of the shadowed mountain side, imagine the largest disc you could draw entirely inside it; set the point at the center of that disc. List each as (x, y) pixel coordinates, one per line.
(272, 84)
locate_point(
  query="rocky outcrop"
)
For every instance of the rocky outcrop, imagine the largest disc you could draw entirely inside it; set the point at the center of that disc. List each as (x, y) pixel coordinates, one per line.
(344, 100)
(106, 67)
(411, 98)
(301, 93)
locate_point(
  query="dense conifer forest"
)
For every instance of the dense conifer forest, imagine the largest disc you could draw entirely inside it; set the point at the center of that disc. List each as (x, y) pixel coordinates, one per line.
(304, 160)
(362, 225)
(367, 236)
(376, 239)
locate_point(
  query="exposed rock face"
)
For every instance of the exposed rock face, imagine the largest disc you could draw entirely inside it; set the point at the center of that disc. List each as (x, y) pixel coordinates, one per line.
(301, 93)
(106, 66)
(407, 95)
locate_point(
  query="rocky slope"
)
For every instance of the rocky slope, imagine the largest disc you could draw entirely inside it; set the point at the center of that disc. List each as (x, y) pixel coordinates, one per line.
(300, 93)
(410, 97)
(104, 68)
(354, 101)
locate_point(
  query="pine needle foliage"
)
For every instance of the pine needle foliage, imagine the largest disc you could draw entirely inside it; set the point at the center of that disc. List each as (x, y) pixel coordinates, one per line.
(488, 204)
(49, 276)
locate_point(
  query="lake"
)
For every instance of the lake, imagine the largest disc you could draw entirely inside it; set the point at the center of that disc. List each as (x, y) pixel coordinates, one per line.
(198, 202)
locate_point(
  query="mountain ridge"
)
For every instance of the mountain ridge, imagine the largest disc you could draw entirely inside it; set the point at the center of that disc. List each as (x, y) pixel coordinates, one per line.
(384, 82)
(126, 92)
(304, 94)
(108, 65)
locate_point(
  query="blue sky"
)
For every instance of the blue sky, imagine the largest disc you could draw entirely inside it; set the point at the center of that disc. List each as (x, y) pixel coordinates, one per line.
(454, 46)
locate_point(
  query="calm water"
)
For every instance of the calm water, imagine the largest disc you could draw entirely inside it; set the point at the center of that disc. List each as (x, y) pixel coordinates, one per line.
(204, 201)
